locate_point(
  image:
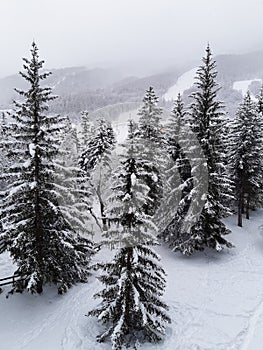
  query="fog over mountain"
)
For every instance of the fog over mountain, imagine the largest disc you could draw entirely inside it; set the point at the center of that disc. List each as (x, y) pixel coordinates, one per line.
(107, 52)
(137, 37)
(80, 88)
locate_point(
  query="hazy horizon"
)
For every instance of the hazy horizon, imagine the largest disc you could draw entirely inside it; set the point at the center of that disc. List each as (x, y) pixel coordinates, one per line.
(129, 34)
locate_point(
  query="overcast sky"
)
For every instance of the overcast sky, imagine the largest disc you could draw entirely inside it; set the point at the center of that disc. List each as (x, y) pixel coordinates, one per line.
(96, 32)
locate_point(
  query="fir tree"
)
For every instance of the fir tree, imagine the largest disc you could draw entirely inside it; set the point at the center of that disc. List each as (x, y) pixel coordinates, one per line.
(41, 220)
(131, 306)
(87, 129)
(95, 160)
(3, 149)
(179, 174)
(70, 143)
(151, 138)
(99, 146)
(207, 120)
(259, 136)
(245, 156)
(150, 117)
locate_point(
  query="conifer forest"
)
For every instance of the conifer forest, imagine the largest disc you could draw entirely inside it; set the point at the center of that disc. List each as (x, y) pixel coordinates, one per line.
(131, 193)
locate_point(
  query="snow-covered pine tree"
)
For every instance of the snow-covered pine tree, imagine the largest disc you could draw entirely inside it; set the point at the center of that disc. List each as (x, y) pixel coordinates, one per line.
(207, 120)
(38, 220)
(151, 138)
(3, 149)
(178, 172)
(87, 129)
(95, 160)
(99, 146)
(71, 143)
(259, 131)
(75, 180)
(3, 164)
(131, 307)
(245, 156)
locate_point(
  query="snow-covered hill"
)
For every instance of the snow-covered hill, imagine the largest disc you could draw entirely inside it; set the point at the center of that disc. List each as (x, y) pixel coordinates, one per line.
(215, 299)
(184, 82)
(243, 85)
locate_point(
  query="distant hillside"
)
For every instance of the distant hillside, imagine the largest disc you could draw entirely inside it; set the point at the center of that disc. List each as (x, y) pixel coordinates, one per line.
(79, 88)
(234, 68)
(65, 81)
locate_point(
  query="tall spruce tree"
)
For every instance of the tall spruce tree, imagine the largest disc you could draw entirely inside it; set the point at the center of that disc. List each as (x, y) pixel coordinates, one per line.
(151, 137)
(95, 160)
(42, 225)
(245, 156)
(259, 136)
(134, 281)
(3, 149)
(207, 120)
(180, 180)
(87, 129)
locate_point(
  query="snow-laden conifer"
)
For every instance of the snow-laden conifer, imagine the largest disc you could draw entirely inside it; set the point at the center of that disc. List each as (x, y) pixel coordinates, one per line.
(245, 156)
(132, 308)
(95, 160)
(178, 173)
(151, 137)
(43, 228)
(207, 121)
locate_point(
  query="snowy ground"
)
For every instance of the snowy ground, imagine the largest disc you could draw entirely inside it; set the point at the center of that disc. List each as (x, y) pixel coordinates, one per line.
(215, 299)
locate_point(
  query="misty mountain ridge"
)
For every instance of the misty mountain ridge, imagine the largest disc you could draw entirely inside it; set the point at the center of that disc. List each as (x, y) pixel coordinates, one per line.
(80, 88)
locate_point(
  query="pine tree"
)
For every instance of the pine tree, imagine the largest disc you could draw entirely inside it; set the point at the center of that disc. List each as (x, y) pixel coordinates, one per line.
(3, 150)
(41, 219)
(151, 138)
(245, 156)
(131, 306)
(95, 160)
(99, 146)
(259, 136)
(70, 143)
(207, 120)
(3, 165)
(87, 129)
(179, 174)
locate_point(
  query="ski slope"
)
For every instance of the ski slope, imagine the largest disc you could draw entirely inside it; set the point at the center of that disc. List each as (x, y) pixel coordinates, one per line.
(215, 299)
(184, 82)
(243, 85)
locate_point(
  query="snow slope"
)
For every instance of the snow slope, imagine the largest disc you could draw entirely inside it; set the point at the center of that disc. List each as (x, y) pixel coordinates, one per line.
(120, 124)
(215, 299)
(184, 82)
(242, 85)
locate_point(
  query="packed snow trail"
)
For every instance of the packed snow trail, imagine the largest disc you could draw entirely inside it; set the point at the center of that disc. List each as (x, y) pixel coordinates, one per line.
(184, 82)
(215, 299)
(243, 86)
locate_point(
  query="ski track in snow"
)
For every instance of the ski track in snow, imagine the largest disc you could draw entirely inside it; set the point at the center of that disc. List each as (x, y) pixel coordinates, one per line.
(243, 85)
(184, 82)
(215, 299)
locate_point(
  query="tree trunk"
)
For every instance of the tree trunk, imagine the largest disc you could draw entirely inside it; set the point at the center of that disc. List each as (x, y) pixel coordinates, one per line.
(102, 207)
(38, 223)
(40, 286)
(239, 210)
(247, 206)
(104, 220)
(243, 206)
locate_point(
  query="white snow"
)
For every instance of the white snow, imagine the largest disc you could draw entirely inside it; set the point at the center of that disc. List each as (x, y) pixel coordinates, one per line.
(32, 149)
(184, 82)
(215, 299)
(120, 125)
(133, 179)
(242, 86)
